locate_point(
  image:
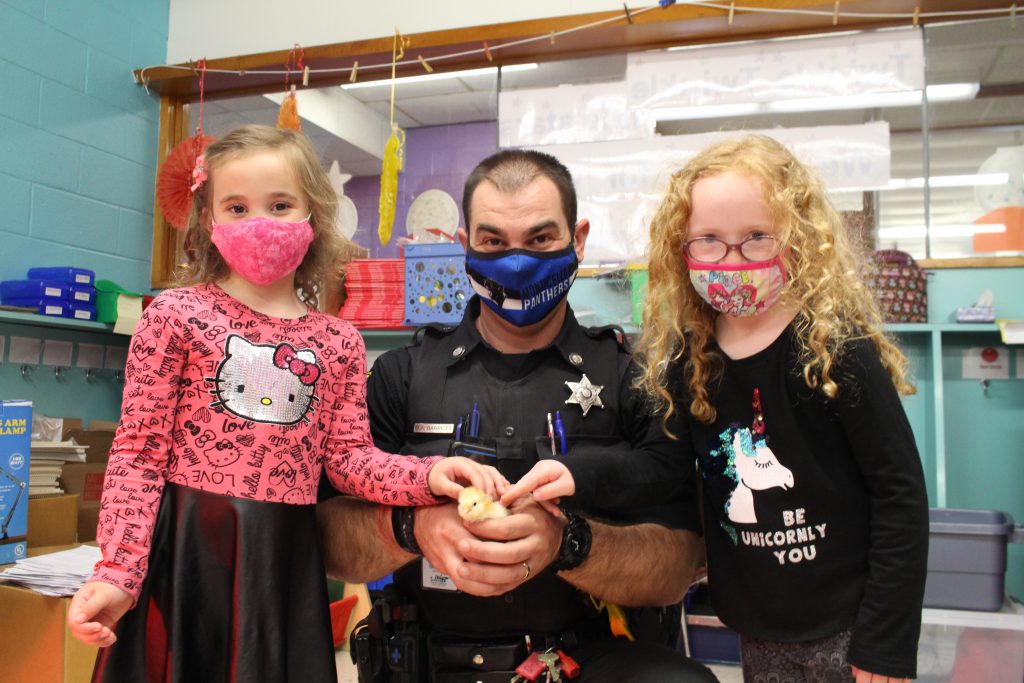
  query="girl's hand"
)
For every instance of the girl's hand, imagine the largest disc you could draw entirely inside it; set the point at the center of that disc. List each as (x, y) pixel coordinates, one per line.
(446, 474)
(861, 676)
(549, 480)
(94, 612)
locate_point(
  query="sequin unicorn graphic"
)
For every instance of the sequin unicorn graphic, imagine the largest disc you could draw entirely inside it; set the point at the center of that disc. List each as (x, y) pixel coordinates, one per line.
(265, 382)
(756, 469)
(741, 464)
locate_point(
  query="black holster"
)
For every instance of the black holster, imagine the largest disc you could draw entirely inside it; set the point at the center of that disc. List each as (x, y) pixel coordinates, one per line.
(388, 645)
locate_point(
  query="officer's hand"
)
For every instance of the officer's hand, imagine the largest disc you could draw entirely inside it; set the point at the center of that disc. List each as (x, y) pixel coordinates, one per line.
(438, 530)
(530, 540)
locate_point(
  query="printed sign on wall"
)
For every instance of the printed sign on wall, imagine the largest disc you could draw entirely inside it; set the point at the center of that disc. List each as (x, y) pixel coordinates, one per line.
(989, 362)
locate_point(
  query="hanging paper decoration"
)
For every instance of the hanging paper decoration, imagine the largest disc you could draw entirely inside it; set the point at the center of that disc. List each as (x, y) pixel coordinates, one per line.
(288, 115)
(176, 180)
(183, 171)
(394, 154)
(394, 161)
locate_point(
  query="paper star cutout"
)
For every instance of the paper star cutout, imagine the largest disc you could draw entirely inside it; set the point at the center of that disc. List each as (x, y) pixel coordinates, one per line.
(585, 394)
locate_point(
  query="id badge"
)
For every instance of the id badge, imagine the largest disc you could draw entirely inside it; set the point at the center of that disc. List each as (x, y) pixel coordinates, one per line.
(435, 579)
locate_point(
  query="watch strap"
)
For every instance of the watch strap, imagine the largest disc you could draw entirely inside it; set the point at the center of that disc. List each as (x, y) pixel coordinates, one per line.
(402, 521)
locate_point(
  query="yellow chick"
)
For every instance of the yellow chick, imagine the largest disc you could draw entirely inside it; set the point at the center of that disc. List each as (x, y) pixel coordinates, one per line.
(476, 506)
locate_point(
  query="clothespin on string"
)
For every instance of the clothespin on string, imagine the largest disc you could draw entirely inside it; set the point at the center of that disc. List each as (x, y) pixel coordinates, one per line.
(629, 17)
(305, 76)
(487, 52)
(1013, 16)
(426, 65)
(835, 13)
(917, 15)
(732, 12)
(353, 74)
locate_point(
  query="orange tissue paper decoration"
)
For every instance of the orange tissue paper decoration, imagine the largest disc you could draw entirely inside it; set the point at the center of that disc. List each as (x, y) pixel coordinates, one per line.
(288, 115)
(174, 183)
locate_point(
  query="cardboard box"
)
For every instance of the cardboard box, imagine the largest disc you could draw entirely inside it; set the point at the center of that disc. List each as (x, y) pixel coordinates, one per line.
(98, 437)
(85, 479)
(15, 433)
(52, 520)
(35, 644)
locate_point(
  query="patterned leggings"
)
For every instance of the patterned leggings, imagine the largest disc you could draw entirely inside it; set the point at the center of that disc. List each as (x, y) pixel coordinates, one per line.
(815, 661)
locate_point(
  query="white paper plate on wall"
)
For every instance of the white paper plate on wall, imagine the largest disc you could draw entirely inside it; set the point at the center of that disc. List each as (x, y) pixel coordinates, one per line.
(433, 217)
(348, 217)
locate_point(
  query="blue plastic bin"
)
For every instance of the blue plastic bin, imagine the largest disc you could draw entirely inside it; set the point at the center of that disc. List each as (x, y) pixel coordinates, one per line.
(31, 290)
(75, 276)
(436, 287)
(80, 311)
(45, 306)
(82, 294)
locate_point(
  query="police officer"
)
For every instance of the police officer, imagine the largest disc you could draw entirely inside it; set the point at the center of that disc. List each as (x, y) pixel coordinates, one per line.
(487, 592)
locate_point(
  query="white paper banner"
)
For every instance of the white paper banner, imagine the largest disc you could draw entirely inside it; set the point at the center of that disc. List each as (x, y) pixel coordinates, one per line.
(569, 114)
(619, 184)
(767, 71)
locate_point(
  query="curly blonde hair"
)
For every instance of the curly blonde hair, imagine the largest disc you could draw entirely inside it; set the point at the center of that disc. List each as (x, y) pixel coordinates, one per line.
(205, 264)
(824, 285)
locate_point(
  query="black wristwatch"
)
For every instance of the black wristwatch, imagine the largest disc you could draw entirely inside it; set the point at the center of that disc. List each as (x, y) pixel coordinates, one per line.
(402, 519)
(575, 544)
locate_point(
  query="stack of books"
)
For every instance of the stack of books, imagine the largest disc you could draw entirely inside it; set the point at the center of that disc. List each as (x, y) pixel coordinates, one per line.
(374, 291)
(46, 464)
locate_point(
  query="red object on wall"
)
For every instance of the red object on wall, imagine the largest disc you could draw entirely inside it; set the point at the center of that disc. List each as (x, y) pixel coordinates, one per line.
(340, 613)
(1011, 240)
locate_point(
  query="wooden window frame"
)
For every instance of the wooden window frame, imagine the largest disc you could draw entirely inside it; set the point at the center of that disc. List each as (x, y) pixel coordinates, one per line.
(659, 28)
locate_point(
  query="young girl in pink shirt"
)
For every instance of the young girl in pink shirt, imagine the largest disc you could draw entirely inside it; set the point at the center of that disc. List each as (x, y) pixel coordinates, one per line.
(238, 394)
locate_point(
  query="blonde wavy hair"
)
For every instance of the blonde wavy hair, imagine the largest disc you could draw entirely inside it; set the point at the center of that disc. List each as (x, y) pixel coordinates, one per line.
(825, 286)
(205, 264)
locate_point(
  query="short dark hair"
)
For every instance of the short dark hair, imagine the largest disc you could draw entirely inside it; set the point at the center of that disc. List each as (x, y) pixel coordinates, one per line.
(511, 170)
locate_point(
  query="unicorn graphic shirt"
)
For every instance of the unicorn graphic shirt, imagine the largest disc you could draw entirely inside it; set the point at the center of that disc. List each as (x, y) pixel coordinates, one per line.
(794, 487)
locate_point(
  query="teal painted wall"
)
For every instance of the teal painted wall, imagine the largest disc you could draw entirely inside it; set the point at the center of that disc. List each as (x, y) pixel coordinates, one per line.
(78, 138)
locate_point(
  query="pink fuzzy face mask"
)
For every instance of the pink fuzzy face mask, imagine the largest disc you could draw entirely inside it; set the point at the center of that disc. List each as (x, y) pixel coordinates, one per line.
(263, 250)
(742, 290)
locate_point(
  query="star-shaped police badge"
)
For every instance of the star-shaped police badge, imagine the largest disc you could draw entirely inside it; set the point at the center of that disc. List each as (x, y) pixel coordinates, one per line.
(585, 394)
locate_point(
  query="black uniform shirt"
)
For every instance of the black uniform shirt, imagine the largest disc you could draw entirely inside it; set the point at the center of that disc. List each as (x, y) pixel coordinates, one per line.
(415, 392)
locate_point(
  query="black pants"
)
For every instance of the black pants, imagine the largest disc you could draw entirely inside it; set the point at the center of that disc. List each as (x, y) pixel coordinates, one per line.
(612, 661)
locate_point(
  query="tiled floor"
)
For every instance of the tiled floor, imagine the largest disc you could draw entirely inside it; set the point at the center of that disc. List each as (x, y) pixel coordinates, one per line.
(347, 672)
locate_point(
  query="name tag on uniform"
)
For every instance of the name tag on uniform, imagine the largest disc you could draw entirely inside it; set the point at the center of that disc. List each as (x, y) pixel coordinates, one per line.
(433, 428)
(434, 579)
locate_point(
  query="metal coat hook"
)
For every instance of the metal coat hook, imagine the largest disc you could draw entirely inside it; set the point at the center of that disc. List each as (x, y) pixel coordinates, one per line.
(90, 375)
(119, 375)
(984, 387)
(58, 373)
(26, 372)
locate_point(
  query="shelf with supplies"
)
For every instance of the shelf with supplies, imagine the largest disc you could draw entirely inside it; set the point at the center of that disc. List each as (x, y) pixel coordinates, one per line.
(66, 367)
(37, 320)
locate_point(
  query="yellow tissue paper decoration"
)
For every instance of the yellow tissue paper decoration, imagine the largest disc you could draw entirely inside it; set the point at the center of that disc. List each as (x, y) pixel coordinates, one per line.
(394, 161)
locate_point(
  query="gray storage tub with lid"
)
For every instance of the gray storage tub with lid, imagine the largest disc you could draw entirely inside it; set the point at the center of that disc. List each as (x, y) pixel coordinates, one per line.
(967, 558)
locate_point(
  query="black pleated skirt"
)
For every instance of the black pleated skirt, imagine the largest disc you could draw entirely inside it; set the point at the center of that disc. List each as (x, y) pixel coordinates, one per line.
(235, 591)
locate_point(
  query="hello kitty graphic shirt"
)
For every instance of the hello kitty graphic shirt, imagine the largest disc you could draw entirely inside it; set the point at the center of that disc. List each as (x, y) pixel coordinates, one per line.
(221, 398)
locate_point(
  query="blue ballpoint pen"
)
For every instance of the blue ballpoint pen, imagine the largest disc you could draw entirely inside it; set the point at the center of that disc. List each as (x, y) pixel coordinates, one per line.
(560, 430)
(474, 422)
(458, 430)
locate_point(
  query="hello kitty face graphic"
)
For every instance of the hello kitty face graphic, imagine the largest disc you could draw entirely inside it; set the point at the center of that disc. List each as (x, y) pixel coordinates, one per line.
(272, 383)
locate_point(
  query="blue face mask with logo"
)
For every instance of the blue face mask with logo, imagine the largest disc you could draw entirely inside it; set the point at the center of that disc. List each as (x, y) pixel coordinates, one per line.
(522, 286)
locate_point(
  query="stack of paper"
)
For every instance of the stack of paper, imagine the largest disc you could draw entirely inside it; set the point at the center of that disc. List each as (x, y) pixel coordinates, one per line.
(46, 463)
(374, 293)
(56, 574)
